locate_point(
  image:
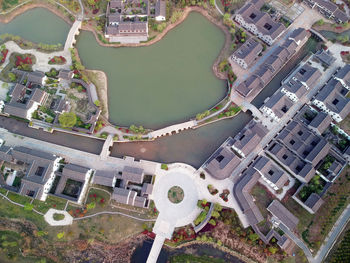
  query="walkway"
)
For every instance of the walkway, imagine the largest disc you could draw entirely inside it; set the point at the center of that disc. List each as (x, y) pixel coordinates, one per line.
(67, 220)
(176, 128)
(114, 213)
(155, 250)
(217, 8)
(333, 236)
(42, 59)
(106, 147)
(71, 35)
(297, 241)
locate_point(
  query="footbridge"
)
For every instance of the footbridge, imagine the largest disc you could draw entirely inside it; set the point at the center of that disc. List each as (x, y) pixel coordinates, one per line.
(172, 129)
(74, 30)
(318, 35)
(106, 147)
(257, 114)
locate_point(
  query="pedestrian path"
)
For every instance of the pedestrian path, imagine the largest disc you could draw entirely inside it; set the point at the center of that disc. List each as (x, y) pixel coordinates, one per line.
(67, 220)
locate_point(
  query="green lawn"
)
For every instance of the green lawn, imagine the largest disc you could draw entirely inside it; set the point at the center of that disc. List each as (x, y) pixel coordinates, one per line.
(51, 202)
(19, 198)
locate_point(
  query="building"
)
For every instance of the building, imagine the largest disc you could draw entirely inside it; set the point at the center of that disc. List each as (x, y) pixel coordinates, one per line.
(343, 76)
(248, 138)
(325, 57)
(258, 22)
(38, 170)
(106, 178)
(271, 66)
(126, 21)
(332, 100)
(329, 9)
(223, 161)
(247, 53)
(24, 101)
(283, 215)
(299, 83)
(65, 75)
(313, 202)
(73, 182)
(160, 10)
(274, 176)
(130, 187)
(276, 106)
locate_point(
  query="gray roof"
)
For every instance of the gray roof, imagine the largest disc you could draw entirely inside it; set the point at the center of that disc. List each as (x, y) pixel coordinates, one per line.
(307, 145)
(340, 16)
(291, 161)
(250, 84)
(282, 213)
(147, 189)
(333, 95)
(140, 201)
(325, 57)
(279, 103)
(160, 9)
(344, 74)
(5, 154)
(265, 24)
(321, 122)
(308, 74)
(128, 29)
(75, 172)
(249, 51)
(20, 102)
(314, 202)
(249, 137)
(65, 74)
(132, 174)
(36, 77)
(105, 178)
(121, 195)
(241, 192)
(299, 34)
(271, 171)
(222, 162)
(327, 4)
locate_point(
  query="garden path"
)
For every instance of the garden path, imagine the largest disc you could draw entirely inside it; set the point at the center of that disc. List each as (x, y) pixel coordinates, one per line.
(67, 220)
(42, 59)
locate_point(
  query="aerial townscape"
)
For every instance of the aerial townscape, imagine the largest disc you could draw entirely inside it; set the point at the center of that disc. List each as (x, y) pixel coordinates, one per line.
(150, 131)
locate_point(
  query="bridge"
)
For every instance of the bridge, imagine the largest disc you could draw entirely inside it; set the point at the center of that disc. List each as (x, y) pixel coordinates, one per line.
(176, 128)
(106, 147)
(74, 30)
(318, 35)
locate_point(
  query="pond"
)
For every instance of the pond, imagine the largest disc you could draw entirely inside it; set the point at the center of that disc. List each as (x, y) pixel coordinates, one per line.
(38, 25)
(333, 36)
(141, 253)
(165, 83)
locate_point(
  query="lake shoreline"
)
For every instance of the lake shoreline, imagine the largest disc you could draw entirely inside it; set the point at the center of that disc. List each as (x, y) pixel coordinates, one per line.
(161, 35)
(7, 18)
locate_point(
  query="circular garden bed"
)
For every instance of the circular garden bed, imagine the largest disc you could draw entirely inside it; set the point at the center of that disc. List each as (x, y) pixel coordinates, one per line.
(175, 194)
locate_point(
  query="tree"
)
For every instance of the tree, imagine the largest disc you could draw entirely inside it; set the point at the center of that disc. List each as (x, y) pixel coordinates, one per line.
(12, 77)
(253, 237)
(215, 214)
(212, 222)
(212, 2)
(273, 250)
(97, 103)
(67, 119)
(60, 235)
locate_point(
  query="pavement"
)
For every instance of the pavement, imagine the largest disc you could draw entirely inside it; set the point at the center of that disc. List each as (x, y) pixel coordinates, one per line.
(67, 220)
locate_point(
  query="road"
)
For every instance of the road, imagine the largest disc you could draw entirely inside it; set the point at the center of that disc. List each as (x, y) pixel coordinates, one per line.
(333, 236)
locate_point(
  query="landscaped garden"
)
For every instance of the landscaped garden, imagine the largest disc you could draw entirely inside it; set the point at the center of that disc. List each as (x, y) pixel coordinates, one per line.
(175, 194)
(3, 54)
(315, 185)
(57, 60)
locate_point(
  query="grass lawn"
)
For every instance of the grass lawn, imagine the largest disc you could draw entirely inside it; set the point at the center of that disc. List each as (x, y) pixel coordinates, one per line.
(19, 198)
(100, 198)
(3, 191)
(262, 198)
(51, 202)
(9, 210)
(107, 228)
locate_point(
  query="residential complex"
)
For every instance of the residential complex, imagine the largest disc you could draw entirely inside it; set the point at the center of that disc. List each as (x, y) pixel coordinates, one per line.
(127, 20)
(329, 9)
(258, 22)
(247, 54)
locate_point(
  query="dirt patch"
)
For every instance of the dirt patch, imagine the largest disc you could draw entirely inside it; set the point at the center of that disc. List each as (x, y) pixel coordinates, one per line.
(99, 78)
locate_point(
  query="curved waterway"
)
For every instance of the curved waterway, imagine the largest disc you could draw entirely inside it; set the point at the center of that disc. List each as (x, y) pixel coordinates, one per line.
(38, 25)
(167, 82)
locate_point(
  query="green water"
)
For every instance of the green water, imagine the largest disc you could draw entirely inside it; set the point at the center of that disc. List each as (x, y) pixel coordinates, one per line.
(164, 83)
(38, 25)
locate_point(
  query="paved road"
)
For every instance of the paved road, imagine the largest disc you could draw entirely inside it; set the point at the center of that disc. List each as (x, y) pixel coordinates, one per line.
(297, 241)
(333, 236)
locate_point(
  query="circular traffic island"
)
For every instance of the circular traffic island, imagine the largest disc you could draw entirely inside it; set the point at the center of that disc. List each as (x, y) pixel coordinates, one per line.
(176, 194)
